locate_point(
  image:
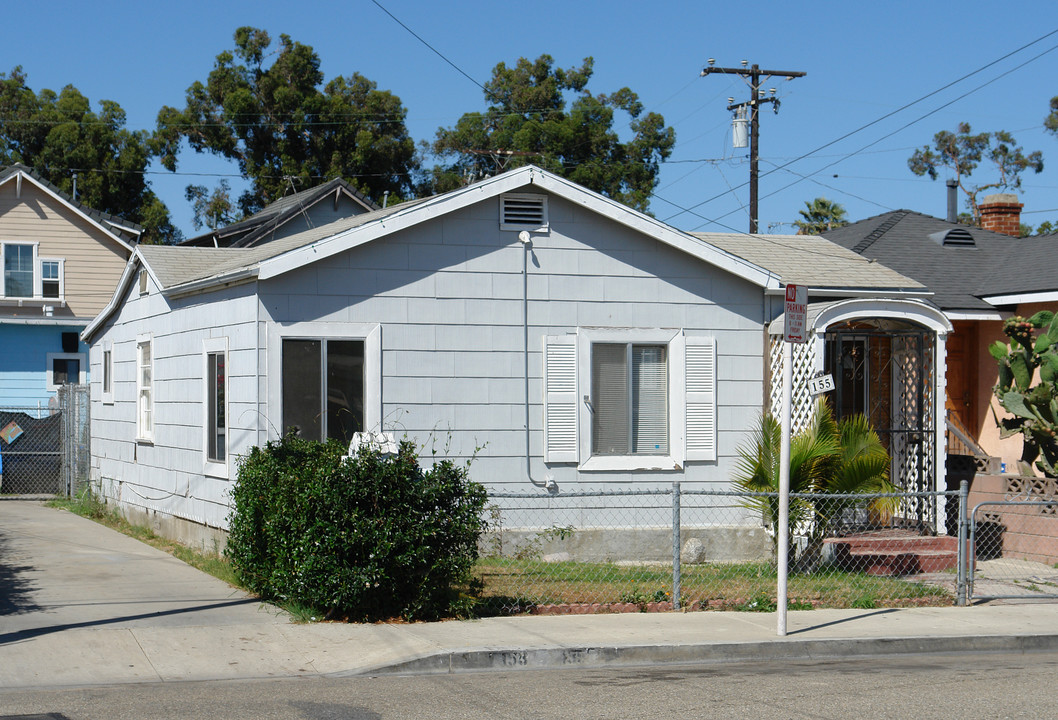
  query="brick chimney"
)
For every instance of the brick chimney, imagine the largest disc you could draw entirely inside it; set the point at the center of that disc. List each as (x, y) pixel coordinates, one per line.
(1001, 213)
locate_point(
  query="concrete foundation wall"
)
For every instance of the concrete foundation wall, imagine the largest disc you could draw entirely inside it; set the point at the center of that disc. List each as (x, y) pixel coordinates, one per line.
(620, 545)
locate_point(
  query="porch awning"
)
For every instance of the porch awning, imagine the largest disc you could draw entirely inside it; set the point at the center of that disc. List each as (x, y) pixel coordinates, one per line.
(922, 312)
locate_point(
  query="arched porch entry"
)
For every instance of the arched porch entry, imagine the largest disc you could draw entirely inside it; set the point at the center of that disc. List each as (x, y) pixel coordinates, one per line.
(887, 361)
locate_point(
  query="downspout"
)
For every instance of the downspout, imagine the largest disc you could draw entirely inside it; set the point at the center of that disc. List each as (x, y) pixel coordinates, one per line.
(526, 239)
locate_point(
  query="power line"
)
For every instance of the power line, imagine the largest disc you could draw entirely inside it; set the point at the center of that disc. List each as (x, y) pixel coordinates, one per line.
(435, 50)
(756, 99)
(894, 112)
(913, 122)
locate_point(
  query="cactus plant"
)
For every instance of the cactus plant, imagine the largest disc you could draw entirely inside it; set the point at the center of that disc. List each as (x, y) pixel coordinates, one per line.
(1033, 346)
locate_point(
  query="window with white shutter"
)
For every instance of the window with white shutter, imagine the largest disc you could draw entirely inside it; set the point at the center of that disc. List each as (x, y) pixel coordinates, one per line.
(560, 390)
(629, 399)
(701, 398)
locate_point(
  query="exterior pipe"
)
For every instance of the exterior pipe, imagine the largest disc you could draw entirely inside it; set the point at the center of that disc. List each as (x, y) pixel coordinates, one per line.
(527, 241)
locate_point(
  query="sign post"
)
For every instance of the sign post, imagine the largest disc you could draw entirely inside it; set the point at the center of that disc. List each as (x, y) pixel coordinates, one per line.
(795, 321)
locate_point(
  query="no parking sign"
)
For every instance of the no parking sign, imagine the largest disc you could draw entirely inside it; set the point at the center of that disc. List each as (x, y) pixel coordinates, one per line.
(795, 317)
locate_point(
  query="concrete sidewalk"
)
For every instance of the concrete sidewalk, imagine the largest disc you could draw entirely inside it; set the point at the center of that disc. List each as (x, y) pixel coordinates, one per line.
(83, 605)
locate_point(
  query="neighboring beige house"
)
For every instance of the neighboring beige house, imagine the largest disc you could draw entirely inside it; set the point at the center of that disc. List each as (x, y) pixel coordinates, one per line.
(61, 262)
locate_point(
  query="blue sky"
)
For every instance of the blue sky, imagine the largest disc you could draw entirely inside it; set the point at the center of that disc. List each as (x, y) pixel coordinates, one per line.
(863, 61)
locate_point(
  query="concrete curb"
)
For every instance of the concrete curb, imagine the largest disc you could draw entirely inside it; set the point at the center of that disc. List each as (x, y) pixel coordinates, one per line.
(705, 654)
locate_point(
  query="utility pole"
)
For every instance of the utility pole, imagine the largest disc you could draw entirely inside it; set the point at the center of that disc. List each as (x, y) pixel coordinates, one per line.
(757, 98)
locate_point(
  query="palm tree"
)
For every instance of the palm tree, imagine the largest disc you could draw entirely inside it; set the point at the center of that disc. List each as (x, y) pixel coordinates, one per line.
(826, 457)
(819, 216)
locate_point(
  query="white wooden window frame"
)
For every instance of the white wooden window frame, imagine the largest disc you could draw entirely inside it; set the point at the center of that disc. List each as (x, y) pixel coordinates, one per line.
(82, 368)
(145, 417)
(673, 339)
(692, 399)
(106, 374)
(35, 269)
(370, 333)
(212, 467)
(38, 278)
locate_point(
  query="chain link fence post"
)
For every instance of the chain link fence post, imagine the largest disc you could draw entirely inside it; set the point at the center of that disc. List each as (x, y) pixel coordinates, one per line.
(675, 544)
(960, 590)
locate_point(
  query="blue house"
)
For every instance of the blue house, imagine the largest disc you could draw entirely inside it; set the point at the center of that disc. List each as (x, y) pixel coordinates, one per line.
(61, 262)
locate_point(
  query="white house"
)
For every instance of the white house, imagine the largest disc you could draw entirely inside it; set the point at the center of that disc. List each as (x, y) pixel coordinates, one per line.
(562, 339)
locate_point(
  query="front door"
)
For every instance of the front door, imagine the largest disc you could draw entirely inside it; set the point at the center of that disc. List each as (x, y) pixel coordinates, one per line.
(886, 373)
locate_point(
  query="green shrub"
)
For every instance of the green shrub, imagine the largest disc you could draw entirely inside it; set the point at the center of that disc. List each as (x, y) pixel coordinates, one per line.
(366, 538)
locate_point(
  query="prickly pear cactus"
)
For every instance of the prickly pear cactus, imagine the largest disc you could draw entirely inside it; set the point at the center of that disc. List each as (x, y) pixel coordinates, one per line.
(1033, 346)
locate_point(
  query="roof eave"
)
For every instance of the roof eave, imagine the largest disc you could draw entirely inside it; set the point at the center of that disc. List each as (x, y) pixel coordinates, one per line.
(124, 282)
(19, 172)
(1021, 297)
(493, 187)
(859, 291)
(217, 282)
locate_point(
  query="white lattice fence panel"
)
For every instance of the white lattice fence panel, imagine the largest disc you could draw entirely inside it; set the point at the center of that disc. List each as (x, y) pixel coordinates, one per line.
(803, 368)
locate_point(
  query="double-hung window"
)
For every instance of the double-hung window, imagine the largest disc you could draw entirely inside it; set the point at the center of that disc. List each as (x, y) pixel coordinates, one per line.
(27, 276)
(329, 380)
(51, 279)
(629, 399)
(144, 389)
(18, 270)
(215, 402)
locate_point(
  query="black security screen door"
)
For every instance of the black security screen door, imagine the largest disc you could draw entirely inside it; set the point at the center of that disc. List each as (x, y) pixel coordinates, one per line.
(887, 373)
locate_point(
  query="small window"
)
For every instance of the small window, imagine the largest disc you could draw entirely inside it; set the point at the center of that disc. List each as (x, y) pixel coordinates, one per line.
(64, 369)
(143, 282)
(216, 404)
(144, 389)
(108, 373)
(526, 211)
(50, 279)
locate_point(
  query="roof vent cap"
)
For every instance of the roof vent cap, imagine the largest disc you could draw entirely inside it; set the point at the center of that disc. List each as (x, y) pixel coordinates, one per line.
(956, 237)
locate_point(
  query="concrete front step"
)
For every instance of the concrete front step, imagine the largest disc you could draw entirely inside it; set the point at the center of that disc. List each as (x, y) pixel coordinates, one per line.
(894, 553)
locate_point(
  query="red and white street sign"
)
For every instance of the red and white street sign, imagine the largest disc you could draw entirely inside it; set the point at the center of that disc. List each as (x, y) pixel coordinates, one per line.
(795, 318)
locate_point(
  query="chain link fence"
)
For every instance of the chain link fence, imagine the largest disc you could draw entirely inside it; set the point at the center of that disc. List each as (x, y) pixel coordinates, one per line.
(616, 551)
(1013, 529)
(45, 450)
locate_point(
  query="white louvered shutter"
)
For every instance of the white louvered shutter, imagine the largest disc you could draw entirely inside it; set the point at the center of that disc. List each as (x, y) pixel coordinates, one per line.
(560, 398)
(701, 398)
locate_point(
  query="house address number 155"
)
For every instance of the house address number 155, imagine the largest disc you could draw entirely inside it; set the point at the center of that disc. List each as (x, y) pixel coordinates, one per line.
(820, 384)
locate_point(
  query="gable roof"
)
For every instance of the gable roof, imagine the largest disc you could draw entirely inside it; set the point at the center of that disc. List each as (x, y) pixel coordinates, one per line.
(123, 231)
(178, 273)
(962, 275)
(816, 262)
(255, 229)
(183, 270)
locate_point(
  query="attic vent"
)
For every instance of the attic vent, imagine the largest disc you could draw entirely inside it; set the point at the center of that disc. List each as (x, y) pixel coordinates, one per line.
(956, 237)
(143, 282)
(523, 212)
